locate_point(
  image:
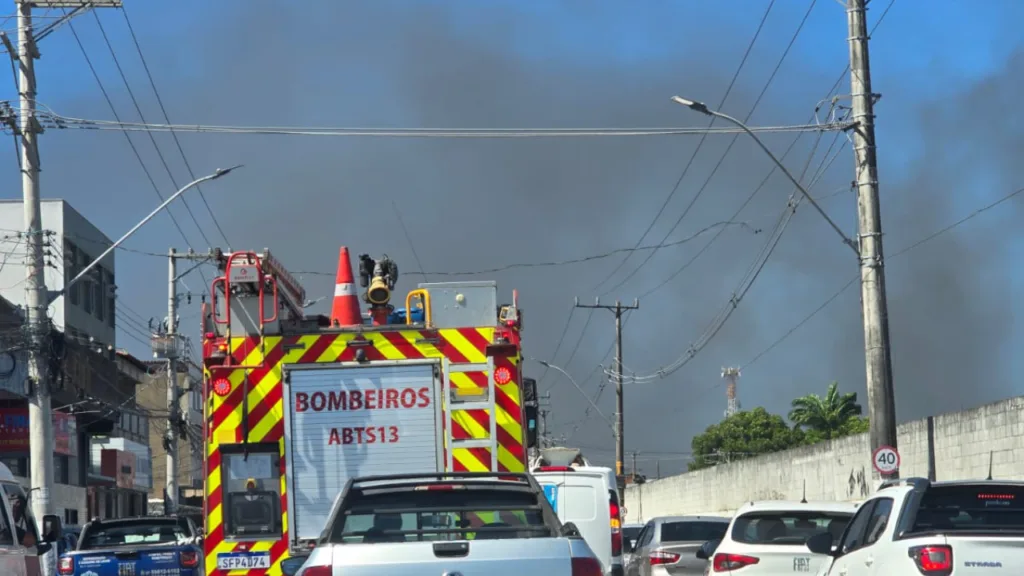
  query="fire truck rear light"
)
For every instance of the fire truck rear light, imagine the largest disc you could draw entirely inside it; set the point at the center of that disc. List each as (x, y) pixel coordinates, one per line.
(586, 567)
(189, 559)
(221, 386)
(320, 571)
(933, 560)
(66, 566)
(502, 376)
(659, 558)
(729, 562)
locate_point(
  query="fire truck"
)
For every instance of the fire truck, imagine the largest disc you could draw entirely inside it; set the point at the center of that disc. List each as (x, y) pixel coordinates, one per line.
(297, 404)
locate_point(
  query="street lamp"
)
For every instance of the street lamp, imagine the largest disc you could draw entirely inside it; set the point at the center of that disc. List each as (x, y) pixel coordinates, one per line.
(703, 109)
(220, 172)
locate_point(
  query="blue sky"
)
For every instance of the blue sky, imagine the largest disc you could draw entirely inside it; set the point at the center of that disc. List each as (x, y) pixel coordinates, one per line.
(572, 63)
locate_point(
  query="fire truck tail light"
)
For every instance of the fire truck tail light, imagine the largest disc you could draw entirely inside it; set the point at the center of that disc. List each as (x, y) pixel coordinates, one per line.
(221, 386)
(189, 559)
(502, 376)
(66, 566)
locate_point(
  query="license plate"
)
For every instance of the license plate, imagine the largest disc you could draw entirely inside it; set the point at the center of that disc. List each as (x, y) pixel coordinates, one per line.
(801, 564)
(243, 560)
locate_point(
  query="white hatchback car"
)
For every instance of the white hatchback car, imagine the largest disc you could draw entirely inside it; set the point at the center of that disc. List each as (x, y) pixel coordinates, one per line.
(769, 537)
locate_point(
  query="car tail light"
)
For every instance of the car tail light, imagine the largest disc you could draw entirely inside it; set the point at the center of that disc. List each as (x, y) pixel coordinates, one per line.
(615, 521)
(554, 469)
(189, 559)
(66, 566)
(727, 562)
(581, 567)
(933, 560)
(329, 571)
(658, 558)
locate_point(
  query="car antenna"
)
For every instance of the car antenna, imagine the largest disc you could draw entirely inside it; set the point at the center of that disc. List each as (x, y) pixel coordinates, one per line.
(990, 464)
(804, 499)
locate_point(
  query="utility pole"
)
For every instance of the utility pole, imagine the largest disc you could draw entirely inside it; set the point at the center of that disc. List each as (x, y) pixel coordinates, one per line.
(881, 401)
(620, 446)
(171, 441)
(544, 402)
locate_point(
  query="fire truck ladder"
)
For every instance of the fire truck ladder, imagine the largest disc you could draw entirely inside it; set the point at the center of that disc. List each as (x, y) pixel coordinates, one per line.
(462, 401)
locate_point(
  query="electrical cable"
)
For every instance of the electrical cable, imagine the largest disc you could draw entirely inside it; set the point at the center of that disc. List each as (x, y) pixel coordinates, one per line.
(725, 153)
(700, 143)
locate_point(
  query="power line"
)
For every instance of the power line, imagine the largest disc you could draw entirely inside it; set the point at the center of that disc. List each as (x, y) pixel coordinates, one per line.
(852, 280)
(167, 119)
(728, 149)
(700, 143)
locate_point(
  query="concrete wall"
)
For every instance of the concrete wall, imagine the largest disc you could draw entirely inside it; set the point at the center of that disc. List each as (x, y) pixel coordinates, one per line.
(841, 469)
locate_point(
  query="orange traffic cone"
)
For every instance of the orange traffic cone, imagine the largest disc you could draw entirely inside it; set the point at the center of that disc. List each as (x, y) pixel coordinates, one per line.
(345, 309)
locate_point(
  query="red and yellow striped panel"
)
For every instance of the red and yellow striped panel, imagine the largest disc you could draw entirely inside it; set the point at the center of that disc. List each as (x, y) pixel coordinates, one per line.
(262, 363)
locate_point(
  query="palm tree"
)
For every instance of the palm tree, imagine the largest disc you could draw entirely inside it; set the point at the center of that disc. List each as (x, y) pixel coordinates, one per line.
(827, 416)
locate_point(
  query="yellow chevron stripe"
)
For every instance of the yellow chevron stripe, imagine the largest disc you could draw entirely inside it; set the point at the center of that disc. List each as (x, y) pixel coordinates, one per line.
(384, 346)
(335, 349)
(462, 380)
(263, 427)
(511, 462)
(427, 349)
(512, 391)
(456, 339)
(466, 458)
(506, 421)
(473, 427)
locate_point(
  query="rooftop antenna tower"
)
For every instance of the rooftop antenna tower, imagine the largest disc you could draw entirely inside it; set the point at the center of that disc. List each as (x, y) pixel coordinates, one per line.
(732, 402)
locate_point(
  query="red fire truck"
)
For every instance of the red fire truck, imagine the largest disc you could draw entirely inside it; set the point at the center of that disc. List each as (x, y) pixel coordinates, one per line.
(296, 404)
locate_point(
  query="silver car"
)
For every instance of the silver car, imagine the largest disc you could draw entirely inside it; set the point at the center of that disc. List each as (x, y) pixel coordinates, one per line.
(499, 524)
(667, 546)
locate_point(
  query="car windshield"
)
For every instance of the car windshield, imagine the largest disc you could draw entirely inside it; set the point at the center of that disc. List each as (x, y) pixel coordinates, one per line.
(405, 515)
(129, 532)
(785, 527)
(693, 531)
(991, 506)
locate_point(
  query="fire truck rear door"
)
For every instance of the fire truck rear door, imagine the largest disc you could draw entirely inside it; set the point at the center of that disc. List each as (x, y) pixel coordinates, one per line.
(345, 420)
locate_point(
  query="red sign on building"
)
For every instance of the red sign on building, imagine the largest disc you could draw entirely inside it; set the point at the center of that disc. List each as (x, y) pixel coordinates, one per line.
(14, 431)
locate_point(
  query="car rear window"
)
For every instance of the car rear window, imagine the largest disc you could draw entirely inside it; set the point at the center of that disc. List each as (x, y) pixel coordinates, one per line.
(788, 527)
(693, 531)
(416, 515)
(132, 532)
(992, 506)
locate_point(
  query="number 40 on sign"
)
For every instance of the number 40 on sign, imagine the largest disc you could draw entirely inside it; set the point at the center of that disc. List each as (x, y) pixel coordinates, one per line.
(886, 460)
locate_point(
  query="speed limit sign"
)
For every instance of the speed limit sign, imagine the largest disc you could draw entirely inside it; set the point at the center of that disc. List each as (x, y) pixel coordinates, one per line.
(886, 460)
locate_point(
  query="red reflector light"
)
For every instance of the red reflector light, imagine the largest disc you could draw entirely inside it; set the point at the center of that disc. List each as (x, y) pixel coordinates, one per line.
(727, 562)
(66, 566)
(659, 558)
(995, 496)
(502, 376)
(318, 571)
(189, 559)
(586, 567)
(221, 386)
(935, 560)
(554, 469)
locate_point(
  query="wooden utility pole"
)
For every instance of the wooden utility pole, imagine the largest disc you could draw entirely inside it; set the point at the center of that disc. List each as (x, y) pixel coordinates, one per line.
(620, 445)
(878, 360)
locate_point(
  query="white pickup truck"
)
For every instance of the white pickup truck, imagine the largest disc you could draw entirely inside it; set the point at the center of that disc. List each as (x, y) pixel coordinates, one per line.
(914, 526)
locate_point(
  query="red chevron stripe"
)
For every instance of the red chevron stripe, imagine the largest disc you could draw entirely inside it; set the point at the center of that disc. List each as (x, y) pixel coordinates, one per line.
(402, 345)
(481, 417)
(459, 432)
(449, 350)
(510, 443)
(474, 337)
(483, 455)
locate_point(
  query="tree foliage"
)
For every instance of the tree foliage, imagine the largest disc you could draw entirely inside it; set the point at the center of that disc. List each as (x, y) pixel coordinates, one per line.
(743, 435)
(826, 417)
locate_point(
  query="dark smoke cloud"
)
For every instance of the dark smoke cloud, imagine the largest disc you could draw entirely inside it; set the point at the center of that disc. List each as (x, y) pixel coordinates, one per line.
(476, 204)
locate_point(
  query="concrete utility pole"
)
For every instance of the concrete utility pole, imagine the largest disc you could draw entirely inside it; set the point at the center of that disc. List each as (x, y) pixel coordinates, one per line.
(881, 400)
(543, 402)
(620, 445)
(171, 440)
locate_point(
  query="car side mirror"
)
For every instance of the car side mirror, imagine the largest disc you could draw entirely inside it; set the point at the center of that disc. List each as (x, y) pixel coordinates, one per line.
(290, 566)
(52, 528)
(821, 544)
(569, 530)
(707, 549)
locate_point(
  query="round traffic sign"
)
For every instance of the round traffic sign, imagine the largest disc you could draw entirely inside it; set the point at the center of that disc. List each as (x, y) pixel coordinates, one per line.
(886, 460)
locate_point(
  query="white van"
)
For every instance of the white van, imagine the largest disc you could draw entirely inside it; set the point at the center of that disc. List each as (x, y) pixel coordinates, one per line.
(22, 549)
(588, 497)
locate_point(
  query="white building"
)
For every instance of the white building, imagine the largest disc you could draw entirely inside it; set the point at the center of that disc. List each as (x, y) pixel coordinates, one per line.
(70, 243)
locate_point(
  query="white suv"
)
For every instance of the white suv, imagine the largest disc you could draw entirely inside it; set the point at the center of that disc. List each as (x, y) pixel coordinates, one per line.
(918, 527)
(770, 538)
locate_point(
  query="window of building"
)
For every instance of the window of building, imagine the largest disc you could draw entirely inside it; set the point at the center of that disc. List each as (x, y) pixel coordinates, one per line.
(71, 516)
(71, 269)
(99, 293)
(110, 293)
(86, 282)
(61, 470)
